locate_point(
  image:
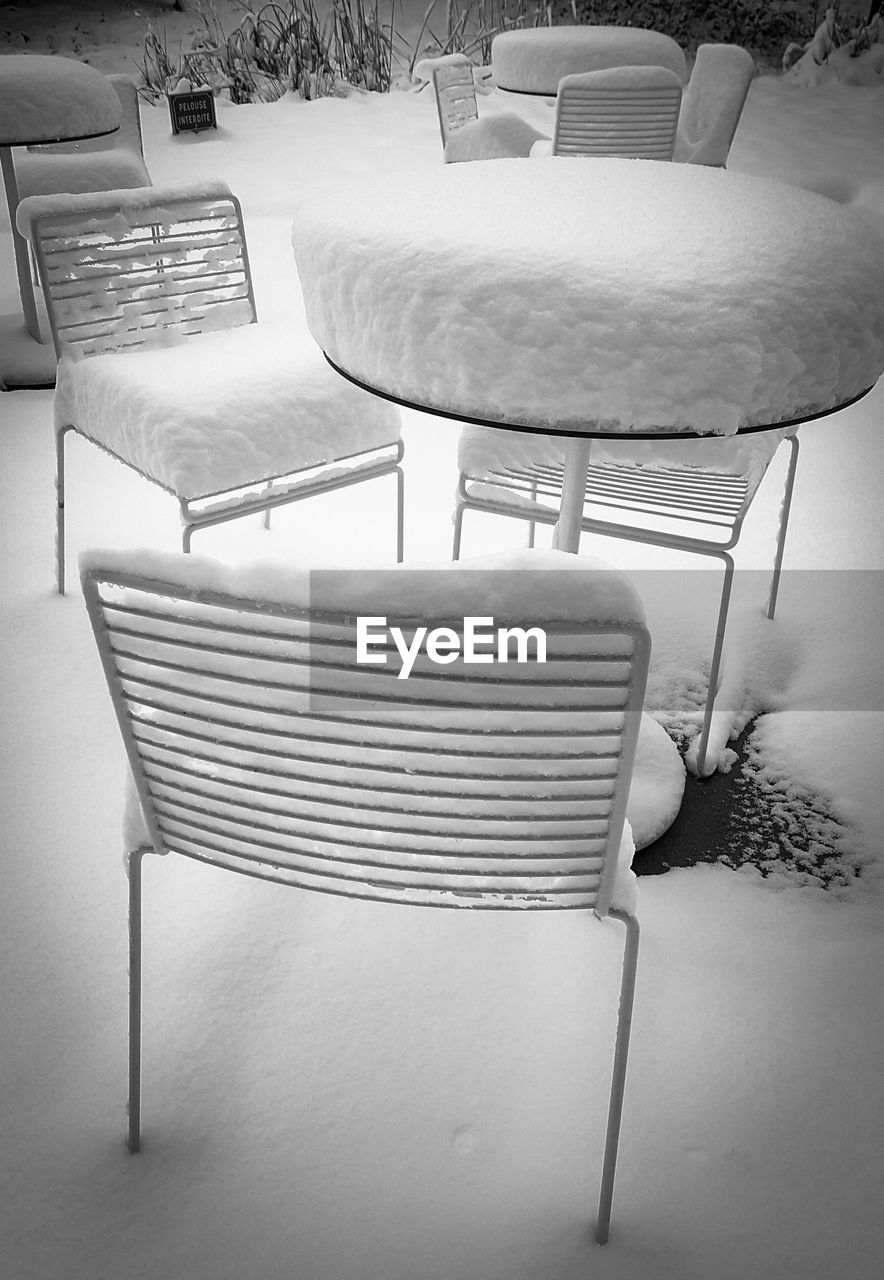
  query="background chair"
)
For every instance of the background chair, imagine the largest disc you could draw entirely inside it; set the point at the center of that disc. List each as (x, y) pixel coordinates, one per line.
(641, 494)
(621, 111)
(97, 164)
(152, 312)
(257, 743)
(467, 137)
(713, 103)
(691, 496)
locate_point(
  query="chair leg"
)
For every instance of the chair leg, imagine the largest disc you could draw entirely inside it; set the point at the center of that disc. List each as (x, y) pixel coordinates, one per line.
(59, 509)
(458, 529)
(531, 525)
(186, 535)
(716, 663)
(784, 521)
(400, 515)
(618, 1081)
(134, 1135)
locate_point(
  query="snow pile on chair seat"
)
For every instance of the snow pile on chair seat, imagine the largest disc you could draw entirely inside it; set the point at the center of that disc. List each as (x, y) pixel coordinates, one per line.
(43, 173)
(534, 59)
(626, 293)
(493, 138)
(221, 410)
(44, 99)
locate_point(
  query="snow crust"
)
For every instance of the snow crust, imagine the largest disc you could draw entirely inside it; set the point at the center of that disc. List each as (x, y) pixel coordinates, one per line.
(424, 67)
(431, 591)
(129, 200)
(625, 293)
(216, 411)
(534, 59)
(46, 99)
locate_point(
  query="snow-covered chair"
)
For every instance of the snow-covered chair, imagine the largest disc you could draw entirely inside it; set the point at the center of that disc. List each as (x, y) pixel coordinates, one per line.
(713, 103)
(690, 495)
(161, 363)
(259, 744)
(467, 137)
(619, 111)
(96, 164)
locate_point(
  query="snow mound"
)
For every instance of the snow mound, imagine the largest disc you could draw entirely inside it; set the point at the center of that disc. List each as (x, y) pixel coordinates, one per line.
(495, 137)
(625, 293)
(221, 410)
(534, 60)
(46, 99)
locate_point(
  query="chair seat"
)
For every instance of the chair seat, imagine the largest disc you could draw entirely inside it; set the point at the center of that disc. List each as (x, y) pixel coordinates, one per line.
(219, 411)
(43, 173)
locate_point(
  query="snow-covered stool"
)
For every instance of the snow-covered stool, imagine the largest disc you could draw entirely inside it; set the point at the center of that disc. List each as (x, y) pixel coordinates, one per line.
(261, 743)
(161, 362)
(603, 298)
(534, 59)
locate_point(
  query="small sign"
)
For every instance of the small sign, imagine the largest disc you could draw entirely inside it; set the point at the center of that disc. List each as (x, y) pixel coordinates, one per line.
(192, 111)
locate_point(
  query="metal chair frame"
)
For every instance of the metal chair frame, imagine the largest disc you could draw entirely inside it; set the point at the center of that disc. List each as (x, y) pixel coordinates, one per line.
(620, 111)
(718, 501)
(181, 265)
(455, 91)
(256, 745)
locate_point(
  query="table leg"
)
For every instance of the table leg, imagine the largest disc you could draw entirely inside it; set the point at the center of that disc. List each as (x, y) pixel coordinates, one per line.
(567, 532)
(20, 245)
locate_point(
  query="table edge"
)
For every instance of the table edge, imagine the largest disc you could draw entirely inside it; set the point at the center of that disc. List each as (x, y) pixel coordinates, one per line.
(546, 429)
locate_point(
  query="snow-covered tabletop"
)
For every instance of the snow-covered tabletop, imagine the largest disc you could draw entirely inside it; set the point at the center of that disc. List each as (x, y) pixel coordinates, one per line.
(534, 59)
(47, 99)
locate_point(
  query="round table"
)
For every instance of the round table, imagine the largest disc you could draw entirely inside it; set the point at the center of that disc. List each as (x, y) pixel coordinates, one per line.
(591, 297)
(533, 60)
(595, 297)
(45, 99)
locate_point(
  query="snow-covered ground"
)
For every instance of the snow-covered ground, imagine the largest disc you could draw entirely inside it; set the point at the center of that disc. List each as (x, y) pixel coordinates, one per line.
(344, 1091)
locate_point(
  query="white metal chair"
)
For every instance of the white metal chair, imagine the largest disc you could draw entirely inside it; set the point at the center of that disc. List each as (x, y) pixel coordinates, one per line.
(713, 103)
(692, 496)
(161, 364)
(455, 92)
(258, 744)
(97, 164)
(620, 111)
(467, 137)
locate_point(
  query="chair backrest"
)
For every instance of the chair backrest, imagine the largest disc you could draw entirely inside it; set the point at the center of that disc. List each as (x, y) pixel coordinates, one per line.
(122, 269)
(621, 111)
(455, 97)
(259, 744)
(713, 103)
(127, 138)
